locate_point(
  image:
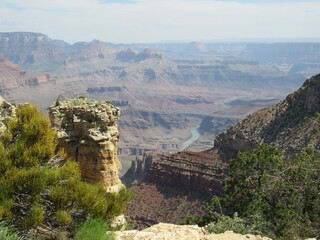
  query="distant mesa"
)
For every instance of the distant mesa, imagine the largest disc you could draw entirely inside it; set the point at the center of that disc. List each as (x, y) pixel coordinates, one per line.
(13, 76)
(148, 53)
(135, 56)
(127, 55)
(105, 89)
(33, 51)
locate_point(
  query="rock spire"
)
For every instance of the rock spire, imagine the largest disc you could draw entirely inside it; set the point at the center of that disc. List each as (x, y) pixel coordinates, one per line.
(88, 132)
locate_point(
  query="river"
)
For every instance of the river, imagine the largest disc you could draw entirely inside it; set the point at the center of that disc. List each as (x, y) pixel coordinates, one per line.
(194, 136)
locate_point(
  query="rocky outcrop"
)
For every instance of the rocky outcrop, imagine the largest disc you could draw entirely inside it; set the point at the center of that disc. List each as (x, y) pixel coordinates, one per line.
(7, 110)
(291, 125)
(139, 168)
(165, 231)
(86, 52)
(88, 132)
(127, 55)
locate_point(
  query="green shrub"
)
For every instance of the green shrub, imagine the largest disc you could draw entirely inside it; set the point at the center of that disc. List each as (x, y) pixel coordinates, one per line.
(29, 176)
(63, 218)
(34, 218)
(90, 119)
(226, 223)
(284, 192)
(103, 128)
(7, 234)
(273, 195)
(94, 228)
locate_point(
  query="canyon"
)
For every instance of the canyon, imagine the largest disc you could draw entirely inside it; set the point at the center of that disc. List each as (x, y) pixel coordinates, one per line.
(171, 97)
(292, 125)
(164, 90)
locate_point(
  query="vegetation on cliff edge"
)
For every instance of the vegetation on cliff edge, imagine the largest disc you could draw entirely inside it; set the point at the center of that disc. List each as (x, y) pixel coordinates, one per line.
(38, 187)
(270, 195)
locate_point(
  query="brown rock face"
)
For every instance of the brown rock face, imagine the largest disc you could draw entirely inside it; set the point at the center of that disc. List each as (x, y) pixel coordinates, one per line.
(193, 171)
(88, 132)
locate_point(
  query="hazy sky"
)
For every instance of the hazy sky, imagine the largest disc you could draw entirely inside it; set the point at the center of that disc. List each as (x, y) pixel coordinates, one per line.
(157, 20)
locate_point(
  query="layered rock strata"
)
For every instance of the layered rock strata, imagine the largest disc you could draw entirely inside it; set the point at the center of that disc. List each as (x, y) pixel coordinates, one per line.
(192, 171)
(88, 132)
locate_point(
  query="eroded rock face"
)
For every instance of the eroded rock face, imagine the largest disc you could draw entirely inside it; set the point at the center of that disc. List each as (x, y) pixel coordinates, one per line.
(165, 231)
(291, 125)
(139, 168)
(88, 132)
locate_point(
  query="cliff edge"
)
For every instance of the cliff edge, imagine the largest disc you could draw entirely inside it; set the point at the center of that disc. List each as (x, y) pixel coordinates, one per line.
(165, 231)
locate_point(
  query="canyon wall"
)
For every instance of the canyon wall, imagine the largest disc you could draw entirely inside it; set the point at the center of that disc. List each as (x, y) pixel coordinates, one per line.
(88, 133)
(192, 171)
(291, 125)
